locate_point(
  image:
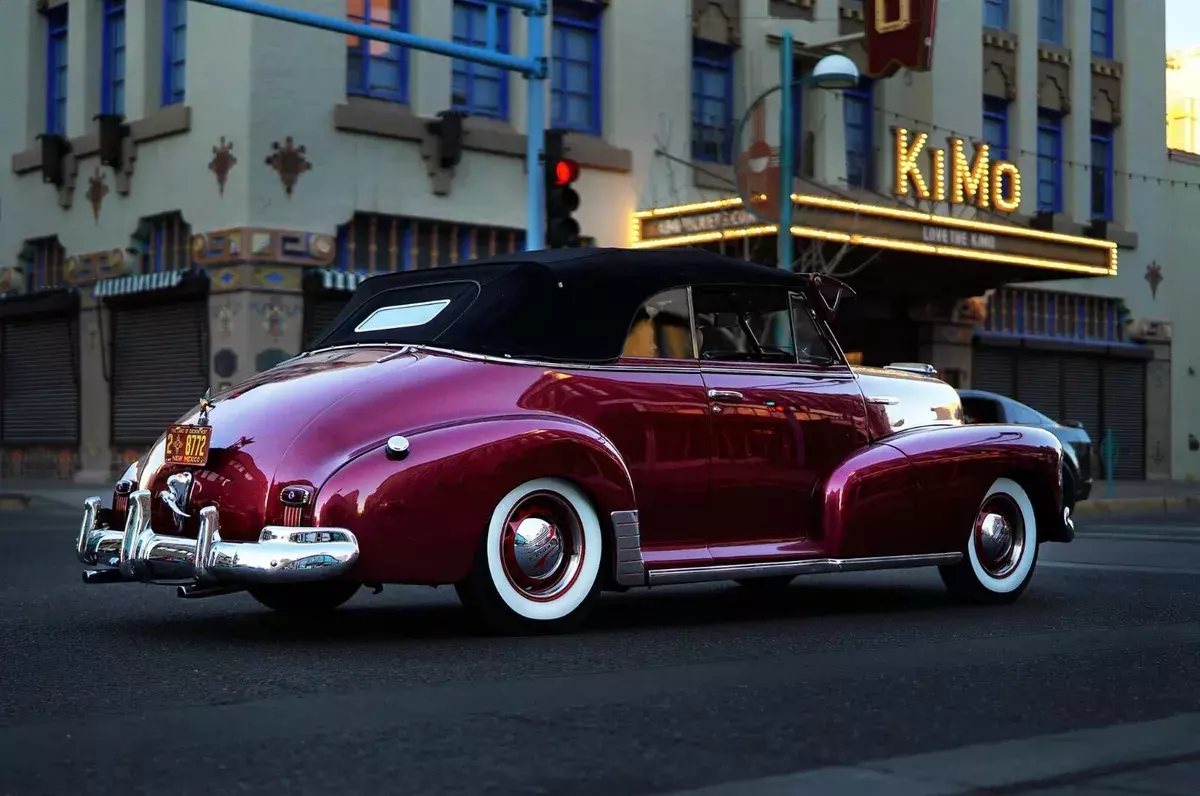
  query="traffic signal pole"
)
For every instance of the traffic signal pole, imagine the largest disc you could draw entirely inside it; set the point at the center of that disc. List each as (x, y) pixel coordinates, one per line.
(532, 67)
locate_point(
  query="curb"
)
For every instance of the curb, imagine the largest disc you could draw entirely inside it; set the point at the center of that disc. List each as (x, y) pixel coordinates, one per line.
(1094, 506)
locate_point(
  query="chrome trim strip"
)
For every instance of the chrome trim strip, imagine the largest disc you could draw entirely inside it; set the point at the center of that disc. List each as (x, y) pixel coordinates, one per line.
(137, 553)
(662, 577)
(692, 323)
(628, 565)
(883, 400)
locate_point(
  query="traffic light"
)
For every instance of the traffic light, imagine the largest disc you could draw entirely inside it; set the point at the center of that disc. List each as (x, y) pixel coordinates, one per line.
(562, 231)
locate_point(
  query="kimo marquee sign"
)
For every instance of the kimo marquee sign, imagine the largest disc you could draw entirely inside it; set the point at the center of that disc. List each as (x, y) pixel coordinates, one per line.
(948, 175)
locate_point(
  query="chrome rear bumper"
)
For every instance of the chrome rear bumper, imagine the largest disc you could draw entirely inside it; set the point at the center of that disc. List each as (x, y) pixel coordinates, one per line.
(281, 554)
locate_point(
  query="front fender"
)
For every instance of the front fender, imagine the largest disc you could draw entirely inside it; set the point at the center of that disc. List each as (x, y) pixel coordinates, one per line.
(955, 466)
(420, 519)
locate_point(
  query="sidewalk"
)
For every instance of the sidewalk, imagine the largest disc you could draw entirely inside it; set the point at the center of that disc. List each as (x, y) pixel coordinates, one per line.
(1154, 757)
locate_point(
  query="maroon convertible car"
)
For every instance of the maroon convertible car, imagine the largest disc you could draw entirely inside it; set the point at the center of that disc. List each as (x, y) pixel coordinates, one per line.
(539, 427)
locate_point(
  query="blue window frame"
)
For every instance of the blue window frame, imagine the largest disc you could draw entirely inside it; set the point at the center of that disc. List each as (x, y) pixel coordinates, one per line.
(112, 59)
(995, 126)
(575, 67)
(995, 14)
(56, 70)
(1102, 171)
(712, 102)
(1050, 21)
(859, 113)
(1102, 28)
(478, 89)
(375, 68)
(174, 56)
(1049, 171)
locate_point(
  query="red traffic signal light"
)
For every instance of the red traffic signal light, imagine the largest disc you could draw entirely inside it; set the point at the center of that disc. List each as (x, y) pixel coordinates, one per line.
(566, 171)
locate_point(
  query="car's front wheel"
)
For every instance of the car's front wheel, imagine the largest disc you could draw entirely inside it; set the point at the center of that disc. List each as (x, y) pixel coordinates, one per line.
(304, 598)
(538, 568)
(1001, 551)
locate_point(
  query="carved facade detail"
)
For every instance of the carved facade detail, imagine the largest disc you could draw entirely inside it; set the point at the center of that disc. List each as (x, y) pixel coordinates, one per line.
(717, 21)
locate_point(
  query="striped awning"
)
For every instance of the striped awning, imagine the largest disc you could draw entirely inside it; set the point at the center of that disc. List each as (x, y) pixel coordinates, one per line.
(336, 279)
(138, 283)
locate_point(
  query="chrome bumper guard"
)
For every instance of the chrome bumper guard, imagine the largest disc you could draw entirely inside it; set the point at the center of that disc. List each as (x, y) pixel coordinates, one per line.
(281, 554)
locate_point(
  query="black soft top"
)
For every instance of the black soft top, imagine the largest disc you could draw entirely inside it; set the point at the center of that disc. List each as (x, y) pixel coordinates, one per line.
(570, 305)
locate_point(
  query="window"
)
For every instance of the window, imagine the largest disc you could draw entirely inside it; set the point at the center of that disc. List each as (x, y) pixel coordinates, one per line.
(1102, 28)
(44, 259)
(995, 14)
(744, 325)
(1049, 170)
(981, 410)
(811, 347)
(174, 51)
(575, 68)
(56, 70)
(995, 126)
(995, 132)
(404, 316)
(1102, 171)
(112, 59)
(478, 89)
(163, 243)
(375, 68)
(859, 112)
(1050, 21)
(662, 328)
(712, 102)
(1022, 415)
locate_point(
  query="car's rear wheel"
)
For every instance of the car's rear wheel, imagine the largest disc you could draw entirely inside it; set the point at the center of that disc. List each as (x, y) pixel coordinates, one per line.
(305, 598)
(1001, 550)
(538, 568)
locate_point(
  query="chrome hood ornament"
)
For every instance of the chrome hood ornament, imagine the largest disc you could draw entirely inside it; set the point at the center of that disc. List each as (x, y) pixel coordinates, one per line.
(175, 496)
(206, 403)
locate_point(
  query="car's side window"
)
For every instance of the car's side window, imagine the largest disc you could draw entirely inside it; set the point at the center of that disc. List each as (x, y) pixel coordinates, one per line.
(811, 347)
(744, 324)
(981, 410)
(662, 328)
(1023, 415)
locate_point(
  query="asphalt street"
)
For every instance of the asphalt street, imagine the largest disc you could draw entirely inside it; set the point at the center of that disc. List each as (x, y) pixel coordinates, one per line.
(127, 689)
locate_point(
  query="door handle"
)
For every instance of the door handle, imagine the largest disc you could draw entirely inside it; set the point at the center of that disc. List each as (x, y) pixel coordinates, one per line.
(724, 395)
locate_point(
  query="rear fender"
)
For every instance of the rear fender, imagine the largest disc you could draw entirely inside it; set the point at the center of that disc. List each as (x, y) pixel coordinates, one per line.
(955, 466)
(420, 519)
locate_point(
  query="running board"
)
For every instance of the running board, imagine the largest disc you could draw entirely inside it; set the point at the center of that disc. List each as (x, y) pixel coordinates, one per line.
(812, 566)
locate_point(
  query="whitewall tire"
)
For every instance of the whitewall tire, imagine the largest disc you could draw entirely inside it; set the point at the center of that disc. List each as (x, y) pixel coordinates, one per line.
(1001, 549)
(538, 566)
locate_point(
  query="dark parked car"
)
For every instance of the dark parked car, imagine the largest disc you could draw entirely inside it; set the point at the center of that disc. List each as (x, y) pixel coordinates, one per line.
(990, 407)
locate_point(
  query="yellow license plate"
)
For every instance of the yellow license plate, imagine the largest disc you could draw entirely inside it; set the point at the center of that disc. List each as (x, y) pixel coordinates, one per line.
(188, 445)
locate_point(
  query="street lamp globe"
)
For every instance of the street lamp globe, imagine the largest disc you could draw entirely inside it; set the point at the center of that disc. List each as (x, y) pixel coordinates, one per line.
(835, 71)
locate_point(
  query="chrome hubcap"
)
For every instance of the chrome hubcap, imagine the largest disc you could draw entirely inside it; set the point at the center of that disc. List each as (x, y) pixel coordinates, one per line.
(542, 546)
(999, 535)
(538, 548)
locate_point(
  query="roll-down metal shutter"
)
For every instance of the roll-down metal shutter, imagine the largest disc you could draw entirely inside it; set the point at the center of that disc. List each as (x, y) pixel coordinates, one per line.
(160, 367)
(1125, 414)
(39, 386)
(319, 314)
(992, 371)
(1081, 396)
(1039, 383)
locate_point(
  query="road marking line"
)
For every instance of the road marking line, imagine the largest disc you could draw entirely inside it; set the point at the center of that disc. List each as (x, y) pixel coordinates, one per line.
(1142, 537)
(1027, 762)
(1119, 567)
